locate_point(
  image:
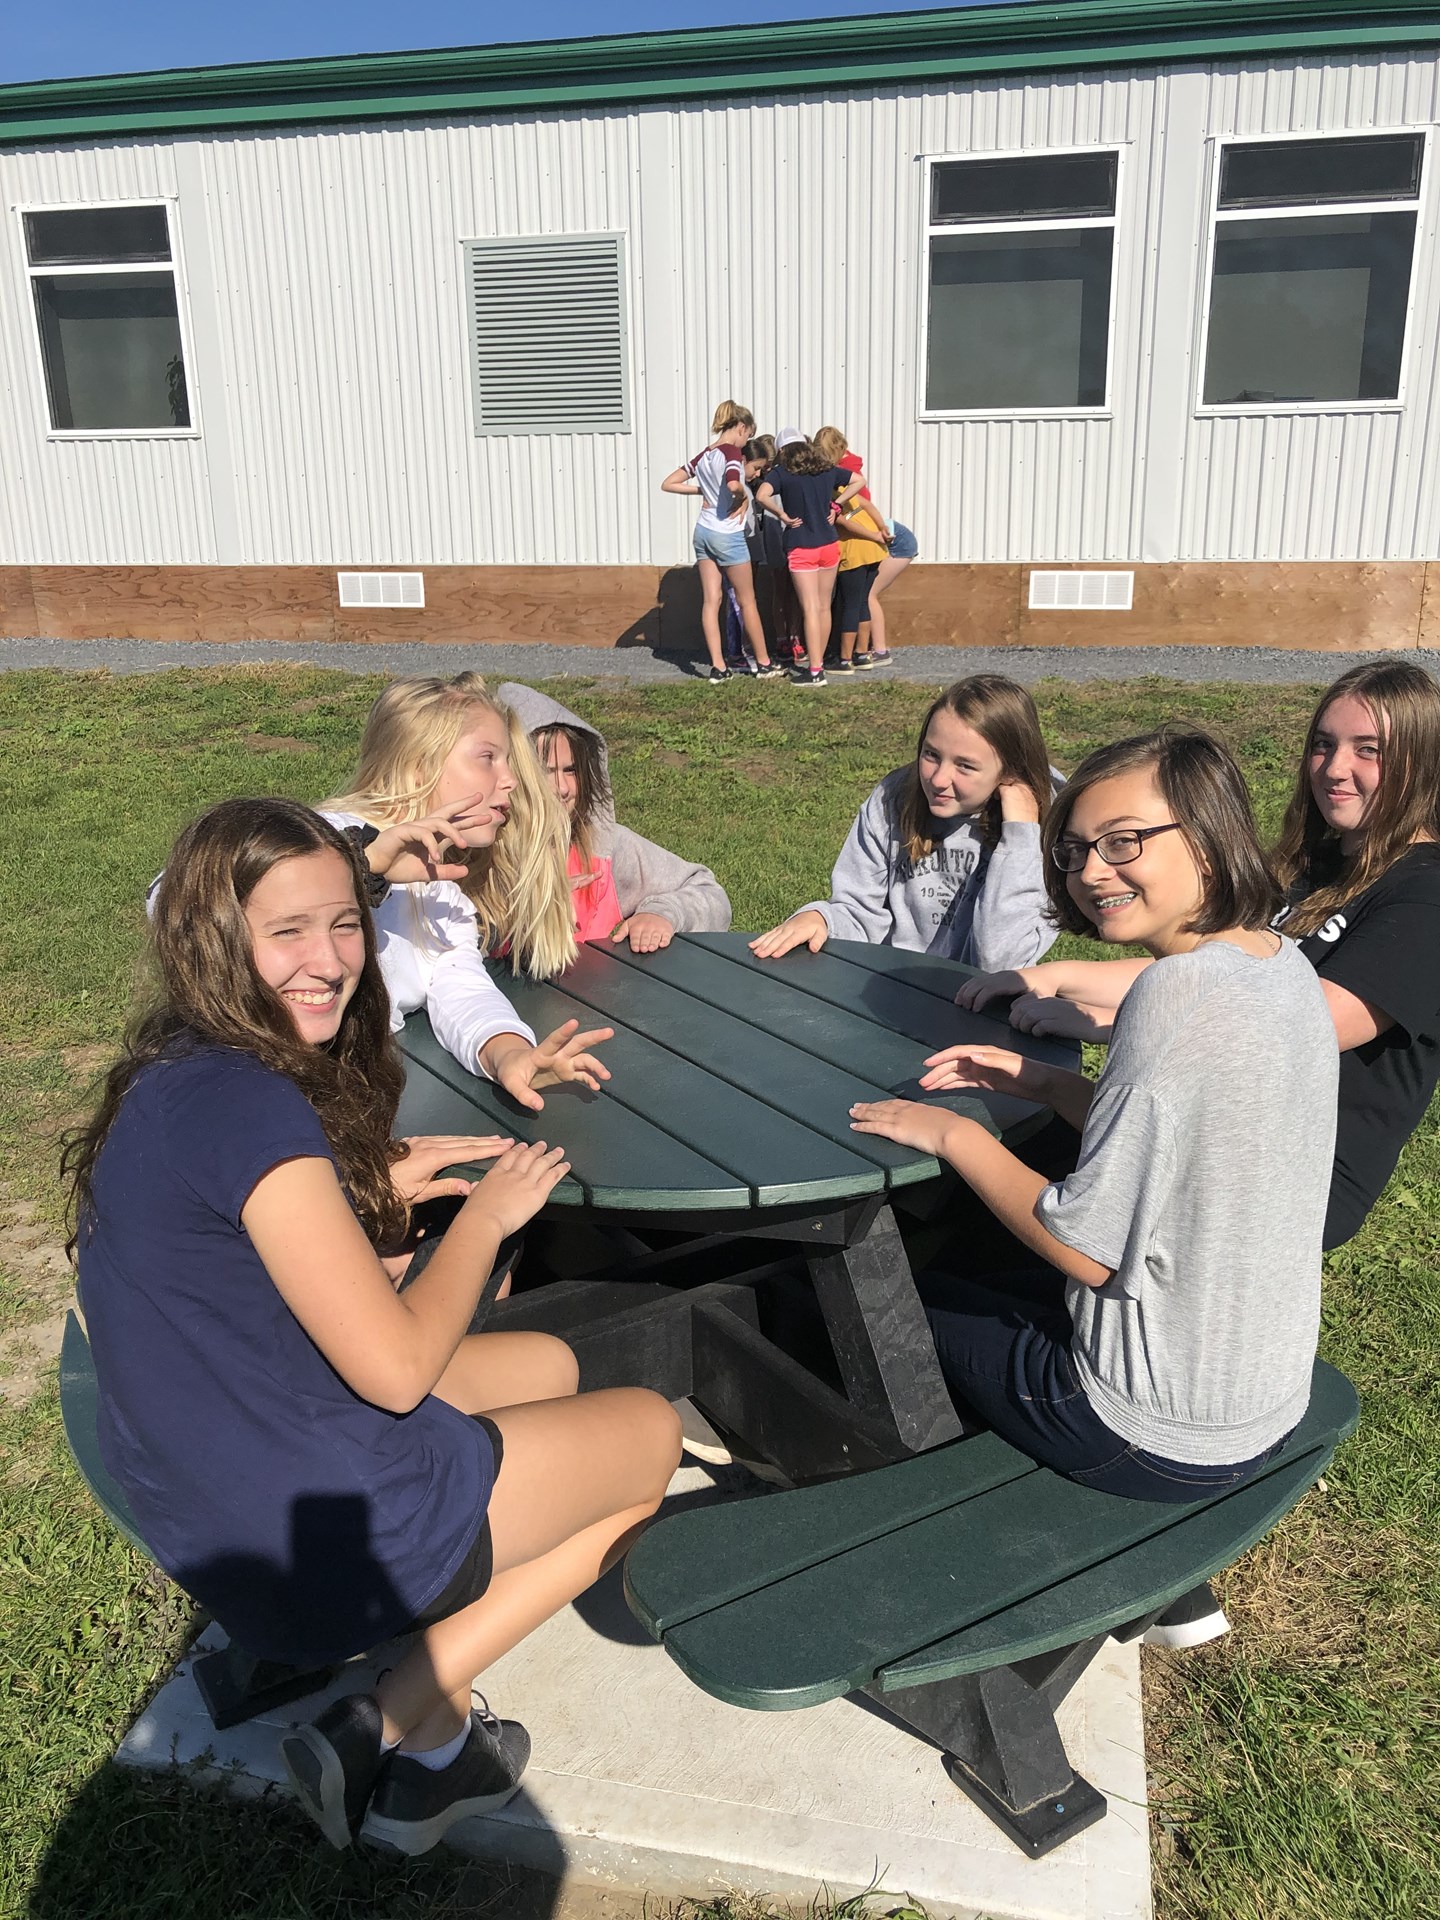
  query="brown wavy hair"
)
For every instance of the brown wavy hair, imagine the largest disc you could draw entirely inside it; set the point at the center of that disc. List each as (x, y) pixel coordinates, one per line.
(1405, 704)
(1004, 716)
(1206, 794)
(208, 993)
(592, 789)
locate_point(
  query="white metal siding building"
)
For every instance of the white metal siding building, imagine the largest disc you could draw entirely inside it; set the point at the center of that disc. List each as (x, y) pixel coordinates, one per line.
(777, 246)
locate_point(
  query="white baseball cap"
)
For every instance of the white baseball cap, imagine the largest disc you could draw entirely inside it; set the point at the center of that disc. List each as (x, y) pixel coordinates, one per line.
(787, 436)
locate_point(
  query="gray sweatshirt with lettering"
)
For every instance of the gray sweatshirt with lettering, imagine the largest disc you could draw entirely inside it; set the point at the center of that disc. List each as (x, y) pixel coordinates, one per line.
(648, 878)
(984, 906)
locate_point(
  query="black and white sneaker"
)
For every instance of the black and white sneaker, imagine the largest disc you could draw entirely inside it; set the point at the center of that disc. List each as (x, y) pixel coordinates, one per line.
(1190, 1621)
(718, 675)
(333, 1764)
(842, 666)
(415, 1806)
(772, 670)
(807, 679)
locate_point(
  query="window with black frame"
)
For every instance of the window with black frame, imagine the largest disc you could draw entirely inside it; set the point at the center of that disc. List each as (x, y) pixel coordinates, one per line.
(1021, 253)
(1310, 284)
(103, 281)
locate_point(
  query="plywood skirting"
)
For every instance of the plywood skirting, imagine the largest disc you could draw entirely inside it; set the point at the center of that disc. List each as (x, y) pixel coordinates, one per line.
(1332, 606)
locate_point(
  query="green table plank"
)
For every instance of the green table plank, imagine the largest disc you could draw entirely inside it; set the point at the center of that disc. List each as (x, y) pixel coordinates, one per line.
(779, 1003)
(768, 1082)
(871, 983)
(432, 1105)
(620, 1159)
(666, 1070)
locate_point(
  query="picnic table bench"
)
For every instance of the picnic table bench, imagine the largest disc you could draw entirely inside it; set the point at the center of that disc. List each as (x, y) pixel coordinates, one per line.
(964, 1591)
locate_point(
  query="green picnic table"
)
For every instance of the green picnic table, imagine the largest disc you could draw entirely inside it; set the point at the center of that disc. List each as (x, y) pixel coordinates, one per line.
(719, 1158)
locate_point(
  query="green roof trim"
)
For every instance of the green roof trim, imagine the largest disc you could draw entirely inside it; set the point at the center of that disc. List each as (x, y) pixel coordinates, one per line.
(711, 63)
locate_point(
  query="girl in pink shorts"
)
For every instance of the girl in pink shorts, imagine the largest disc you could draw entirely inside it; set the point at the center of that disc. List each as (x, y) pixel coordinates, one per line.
(805, 489)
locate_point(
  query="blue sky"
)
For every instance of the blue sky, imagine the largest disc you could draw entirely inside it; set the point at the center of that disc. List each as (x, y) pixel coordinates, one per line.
(48, 42)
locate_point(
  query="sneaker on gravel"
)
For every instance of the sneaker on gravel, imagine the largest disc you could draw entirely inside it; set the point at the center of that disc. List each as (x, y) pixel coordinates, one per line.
(1193, 1619)
(334, 1762)
(842, 666)
(772, 670)
(864, 660)
(717, 674)
(415, 1806)
(885, 659)
(808, 679)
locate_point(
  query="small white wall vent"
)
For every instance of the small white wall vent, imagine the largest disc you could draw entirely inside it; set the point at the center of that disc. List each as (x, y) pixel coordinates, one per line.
(1108, 592)
(382, 589)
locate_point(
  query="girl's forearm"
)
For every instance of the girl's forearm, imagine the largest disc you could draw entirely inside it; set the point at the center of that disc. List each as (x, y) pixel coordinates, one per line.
(1098, 983)
(1010, 1190)
(1069, 1094)
(442, 1300)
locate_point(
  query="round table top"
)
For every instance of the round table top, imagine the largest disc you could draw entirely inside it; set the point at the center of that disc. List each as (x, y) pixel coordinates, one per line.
(732, 1077)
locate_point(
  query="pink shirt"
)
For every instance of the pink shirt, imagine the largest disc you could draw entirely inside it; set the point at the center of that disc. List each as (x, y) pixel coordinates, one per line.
(597, 904)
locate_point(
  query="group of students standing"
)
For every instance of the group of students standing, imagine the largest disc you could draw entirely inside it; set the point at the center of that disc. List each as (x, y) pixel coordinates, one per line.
(801, 510)
(261, 1321)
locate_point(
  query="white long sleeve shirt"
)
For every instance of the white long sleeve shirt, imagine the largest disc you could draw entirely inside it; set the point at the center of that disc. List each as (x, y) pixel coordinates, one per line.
(429, 947)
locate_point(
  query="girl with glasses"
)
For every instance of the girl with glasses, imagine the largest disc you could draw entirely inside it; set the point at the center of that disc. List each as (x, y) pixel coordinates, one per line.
(1359, 860)
(944, 856)
(1161, 1346)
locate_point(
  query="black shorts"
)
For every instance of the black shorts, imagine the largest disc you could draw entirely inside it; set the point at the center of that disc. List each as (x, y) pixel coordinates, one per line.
(473, 1575)
(852, 595)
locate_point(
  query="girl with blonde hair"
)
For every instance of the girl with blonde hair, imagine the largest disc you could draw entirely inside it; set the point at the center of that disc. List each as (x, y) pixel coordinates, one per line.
(944, 856)
(467, 848)
(717, 474)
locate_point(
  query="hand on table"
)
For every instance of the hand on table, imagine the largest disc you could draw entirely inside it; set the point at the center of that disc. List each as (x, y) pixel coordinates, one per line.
(992, 1069)
(414, 1177)
(562, 1055)
(807, 927)
(977, 994)
(415, 849)
(518, 1185)
(1047, 1013)
(646, 932)
(909, 1123)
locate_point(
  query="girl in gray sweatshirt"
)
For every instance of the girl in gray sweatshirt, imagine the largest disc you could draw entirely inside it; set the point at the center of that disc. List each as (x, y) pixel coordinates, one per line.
(944, 856)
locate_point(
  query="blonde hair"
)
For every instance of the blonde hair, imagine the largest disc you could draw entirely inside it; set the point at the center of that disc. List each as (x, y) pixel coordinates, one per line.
(830, 443)
(730, 414)
(519, 886)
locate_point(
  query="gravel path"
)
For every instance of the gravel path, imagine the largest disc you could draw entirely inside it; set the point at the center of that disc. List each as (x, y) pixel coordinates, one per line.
(1261, 665)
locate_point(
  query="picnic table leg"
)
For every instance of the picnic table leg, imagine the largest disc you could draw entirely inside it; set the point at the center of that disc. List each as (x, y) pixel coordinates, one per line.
(1001, 1746)
(882, 1339)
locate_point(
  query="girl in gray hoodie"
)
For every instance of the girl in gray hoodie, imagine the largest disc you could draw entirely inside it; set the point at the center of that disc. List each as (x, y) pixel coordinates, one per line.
(944, 856)
(624, 886)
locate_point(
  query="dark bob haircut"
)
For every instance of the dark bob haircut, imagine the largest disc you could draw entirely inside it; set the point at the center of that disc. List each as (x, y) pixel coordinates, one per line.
(1206, 794)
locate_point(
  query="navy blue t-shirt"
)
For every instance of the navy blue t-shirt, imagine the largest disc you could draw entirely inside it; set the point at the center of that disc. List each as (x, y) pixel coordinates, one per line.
(312, 1524)
(808, 497)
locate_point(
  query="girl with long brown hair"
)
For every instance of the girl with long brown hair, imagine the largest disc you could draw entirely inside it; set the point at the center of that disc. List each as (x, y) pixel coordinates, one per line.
(944, 856)
(1359, 858)
(805, 491)
(325, 1463)
(468, 851)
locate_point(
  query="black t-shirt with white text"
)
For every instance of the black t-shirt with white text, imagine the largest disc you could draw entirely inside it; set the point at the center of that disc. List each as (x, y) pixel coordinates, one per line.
(1384, 947)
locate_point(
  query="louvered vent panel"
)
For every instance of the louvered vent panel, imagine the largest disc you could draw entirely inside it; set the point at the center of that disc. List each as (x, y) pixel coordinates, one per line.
(547, 335)
(1083, 592)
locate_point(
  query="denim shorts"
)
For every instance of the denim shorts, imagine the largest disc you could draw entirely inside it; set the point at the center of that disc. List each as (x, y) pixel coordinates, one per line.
(726, 546)
(904, 546)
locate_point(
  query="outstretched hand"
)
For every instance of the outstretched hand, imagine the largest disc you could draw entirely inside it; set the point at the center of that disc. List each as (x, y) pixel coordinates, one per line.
(910, 1123)
(414, 1177)
(807, 928)
(415, 849)
(519, 1184)
(562, 1055)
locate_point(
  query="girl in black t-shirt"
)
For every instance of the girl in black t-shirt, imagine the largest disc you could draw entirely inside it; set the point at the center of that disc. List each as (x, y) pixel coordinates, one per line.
(1359, 856)
(804, 490)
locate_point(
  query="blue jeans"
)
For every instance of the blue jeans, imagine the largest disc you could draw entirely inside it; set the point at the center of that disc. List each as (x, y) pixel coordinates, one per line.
(1005, 1353)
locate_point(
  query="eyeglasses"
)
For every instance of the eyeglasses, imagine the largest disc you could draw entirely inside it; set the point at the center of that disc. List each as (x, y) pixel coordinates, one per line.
(1116, 849)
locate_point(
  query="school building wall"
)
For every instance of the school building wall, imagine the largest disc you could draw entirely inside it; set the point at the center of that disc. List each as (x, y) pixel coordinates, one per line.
(775, 250)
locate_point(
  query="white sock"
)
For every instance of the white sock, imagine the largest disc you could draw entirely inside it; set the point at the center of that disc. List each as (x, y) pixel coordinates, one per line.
(437, 1758)
(389, 1746)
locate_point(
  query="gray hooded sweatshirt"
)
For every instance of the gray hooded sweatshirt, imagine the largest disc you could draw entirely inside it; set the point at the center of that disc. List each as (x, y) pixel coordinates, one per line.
(984, 907)
(648, 878)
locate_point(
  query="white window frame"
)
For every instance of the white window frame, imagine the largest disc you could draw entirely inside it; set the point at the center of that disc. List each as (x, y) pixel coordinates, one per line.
(928, 231)
(1218, 216)
(175, 267)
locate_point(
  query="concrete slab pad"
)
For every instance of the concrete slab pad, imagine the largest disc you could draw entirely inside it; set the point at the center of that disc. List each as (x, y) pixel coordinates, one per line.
(640, 1781)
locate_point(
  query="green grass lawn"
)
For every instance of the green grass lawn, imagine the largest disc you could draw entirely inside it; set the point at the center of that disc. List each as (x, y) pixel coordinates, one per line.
(1292, 1765)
